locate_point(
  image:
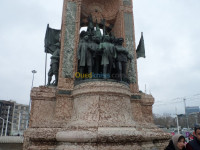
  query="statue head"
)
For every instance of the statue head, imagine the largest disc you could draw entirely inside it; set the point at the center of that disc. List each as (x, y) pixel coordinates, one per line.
(86, 38)
(94, 38)
(57, 44)
(120, 41)
(106, 38)
(97, 39)
(112, 39)
(82, 34)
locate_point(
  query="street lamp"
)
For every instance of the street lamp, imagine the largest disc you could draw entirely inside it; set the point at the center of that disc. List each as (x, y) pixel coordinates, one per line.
(29, 108)
(33, 71)
(2, 126)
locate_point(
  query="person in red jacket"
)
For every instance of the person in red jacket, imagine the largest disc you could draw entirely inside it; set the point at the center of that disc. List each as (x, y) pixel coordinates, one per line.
(195, 143)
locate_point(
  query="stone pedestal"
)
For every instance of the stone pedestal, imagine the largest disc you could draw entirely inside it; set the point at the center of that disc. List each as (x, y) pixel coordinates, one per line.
(97, 115)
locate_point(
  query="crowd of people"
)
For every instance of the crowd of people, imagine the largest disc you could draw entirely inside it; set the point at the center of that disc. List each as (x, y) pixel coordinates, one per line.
(178, 141)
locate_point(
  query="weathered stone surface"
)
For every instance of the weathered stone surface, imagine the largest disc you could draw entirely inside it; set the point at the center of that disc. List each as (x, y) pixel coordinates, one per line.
(128, 22)
(107, 9)
(69, 43)
(77, 136)
(127, 2)
(64, 107)
(142, 108)
(102, 104)
(41, 134)
(11, 146)
(49, 109)
(43, 92)
(96, 112)
(102, 87)
(42, 112)
(69, 146)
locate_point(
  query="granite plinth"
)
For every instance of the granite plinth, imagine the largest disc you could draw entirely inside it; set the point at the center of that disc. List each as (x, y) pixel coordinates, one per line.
(94, 115)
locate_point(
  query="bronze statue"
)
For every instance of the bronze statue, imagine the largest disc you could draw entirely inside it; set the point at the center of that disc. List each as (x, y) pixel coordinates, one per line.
(54, 65)
(96, 53)
(108, 53)
(85, 55)
(122, 59)
(96, 39)
(98, 32)
(90, 28)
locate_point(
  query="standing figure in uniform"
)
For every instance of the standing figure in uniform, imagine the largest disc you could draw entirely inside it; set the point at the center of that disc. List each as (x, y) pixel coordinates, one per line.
(54, 65)
(108, 53)
(96, 54)
(85, 56)
(122, 59)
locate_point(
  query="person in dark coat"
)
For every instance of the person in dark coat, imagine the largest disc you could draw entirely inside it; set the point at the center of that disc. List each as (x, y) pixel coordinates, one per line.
(195, 143)
(176, 143)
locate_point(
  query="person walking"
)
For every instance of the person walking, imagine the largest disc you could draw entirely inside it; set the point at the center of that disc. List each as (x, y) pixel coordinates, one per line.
(176, 143)
(195, 143)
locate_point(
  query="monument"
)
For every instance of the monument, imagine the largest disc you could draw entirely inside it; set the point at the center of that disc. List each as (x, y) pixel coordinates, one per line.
(95, 102)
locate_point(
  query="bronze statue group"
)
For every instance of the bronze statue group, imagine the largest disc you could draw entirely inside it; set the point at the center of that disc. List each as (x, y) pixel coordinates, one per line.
(102, 55)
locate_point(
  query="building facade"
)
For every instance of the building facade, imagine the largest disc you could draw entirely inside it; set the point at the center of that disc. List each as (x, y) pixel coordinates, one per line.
(20, 119)
(6, 111)
(17, 115)
(190, 110)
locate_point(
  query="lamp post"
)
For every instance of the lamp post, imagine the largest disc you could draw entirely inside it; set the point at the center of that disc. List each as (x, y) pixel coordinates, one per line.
(29, 108)
(2, 126)
(177, 120)
(33, 71)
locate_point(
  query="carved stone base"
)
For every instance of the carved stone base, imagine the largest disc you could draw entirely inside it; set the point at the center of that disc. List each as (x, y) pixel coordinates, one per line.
(99, 115)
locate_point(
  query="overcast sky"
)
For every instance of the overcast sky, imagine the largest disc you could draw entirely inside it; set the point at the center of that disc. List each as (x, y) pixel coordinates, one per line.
(170, 71)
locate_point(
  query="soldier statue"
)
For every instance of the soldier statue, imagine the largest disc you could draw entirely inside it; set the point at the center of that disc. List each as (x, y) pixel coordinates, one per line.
(54, 65)
(90, 28)
(122, 59)
(108, 53)
(85, 55)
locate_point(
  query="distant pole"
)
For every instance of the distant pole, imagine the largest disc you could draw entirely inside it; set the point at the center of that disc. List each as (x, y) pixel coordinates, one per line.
(29, 107)
(45, 70)
(184, 105)
(187, 117)
(33, 71)
(196, 117)
(7, 120)
(186, 113)
(2, 126)
(177, 121)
